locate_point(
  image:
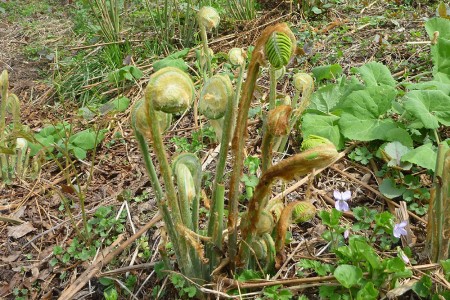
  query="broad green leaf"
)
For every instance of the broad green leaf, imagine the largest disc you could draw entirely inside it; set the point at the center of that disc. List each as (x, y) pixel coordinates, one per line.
(423, 156)
(400, 135)
(362, 114)
(440, 52)
(86, 139)
(438, 24)
(327, 72)
(395, 151)
(368, 292)
(348, 275)
(79, 152)
(137, 74)
(423, 287)
(170, 62)
(393, 265)
(441, 56)
(119, 104)
(441, 82)
(430, 107)
(179, 54)
(359, 245)
(323, 125)
(327, 98)
(389, 189)
(376, 74)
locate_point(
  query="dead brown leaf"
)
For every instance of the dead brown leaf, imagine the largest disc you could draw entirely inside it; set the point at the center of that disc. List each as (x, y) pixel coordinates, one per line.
(20, 230)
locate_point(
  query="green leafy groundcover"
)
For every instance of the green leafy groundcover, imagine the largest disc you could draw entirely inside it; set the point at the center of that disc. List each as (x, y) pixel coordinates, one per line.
(371, 105)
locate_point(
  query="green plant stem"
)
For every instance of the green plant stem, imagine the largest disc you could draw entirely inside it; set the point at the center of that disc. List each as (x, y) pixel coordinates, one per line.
(439, 220)
(174, 215)
(273, 88)
(204, 37)
(149, 166)
(266, 149)
(436, 135)
(215, 225)
(4, 87)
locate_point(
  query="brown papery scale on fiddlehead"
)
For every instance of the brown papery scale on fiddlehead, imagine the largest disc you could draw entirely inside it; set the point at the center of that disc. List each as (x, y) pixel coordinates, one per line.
(299, 212)
(302, 163)
(297, 165)
(278, 120)
(215, 95)
(171, 90)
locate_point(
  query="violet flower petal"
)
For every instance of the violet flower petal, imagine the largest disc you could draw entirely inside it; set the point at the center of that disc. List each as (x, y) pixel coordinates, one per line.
(341, 205)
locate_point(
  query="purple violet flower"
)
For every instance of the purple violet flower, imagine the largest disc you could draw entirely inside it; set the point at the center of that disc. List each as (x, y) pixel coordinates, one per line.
(341, 200)
(399, 229)
(403, 257)
(346, 233)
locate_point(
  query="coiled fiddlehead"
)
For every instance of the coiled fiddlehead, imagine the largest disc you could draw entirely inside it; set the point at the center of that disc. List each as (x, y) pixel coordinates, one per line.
(171, 90)
(236, 56)
(214, 98)
(140, 122)
(208, 17)
(187, 170)
(279, 48)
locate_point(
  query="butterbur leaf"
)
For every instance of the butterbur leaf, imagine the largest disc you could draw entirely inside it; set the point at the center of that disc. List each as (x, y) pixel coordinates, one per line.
(325, 98)
(323, 125)
(376, 74)
(440, 52)
(399, 135)
(431, 107)
(424, 156)
(363, 111)
(179, 54)
(119, 104)
(327, 72)
(328, 98)
(79, 152)
(395, 151)
(87, 139)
